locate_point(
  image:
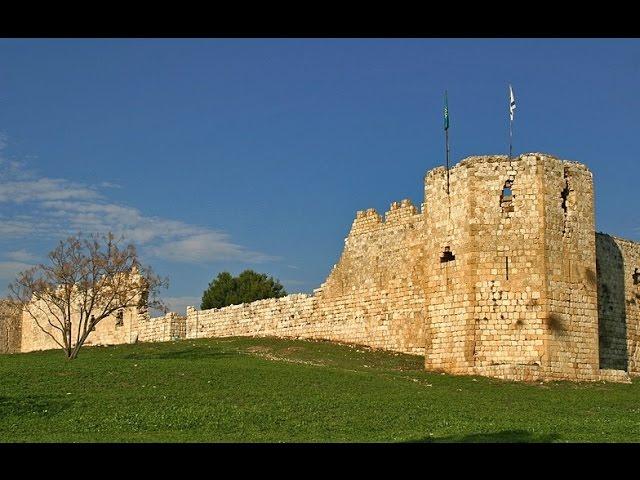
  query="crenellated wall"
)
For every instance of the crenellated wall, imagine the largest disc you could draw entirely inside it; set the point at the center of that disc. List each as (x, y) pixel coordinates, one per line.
(372, 296)
(495, 275)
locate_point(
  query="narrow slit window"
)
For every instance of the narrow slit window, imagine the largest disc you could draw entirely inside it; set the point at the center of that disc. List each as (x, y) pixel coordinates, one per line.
(564, 195)
(506, 266)
(636, 277)
(119, 318)
(506, 197)
(447, 255)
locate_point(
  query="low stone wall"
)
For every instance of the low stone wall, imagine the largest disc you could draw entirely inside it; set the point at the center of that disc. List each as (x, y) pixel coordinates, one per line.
(303, 316)
(288, 316)
(131, 328)
(161, 329)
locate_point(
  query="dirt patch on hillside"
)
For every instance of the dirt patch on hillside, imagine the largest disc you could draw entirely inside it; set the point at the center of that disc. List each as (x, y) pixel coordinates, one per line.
(258, 349)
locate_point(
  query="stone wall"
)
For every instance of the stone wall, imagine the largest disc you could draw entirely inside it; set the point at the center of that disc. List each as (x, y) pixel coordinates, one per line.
(571, 321)
(374, 295)
(371, 297)
(514, 302)
(490, 295)
(10, 327)
(111, 330)
(619, 302)
(134, 326)
(286, 317)
(495, 275)
(161, 329)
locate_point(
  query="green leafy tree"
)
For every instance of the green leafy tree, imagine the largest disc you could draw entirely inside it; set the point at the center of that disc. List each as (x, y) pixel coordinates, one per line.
(249, 286)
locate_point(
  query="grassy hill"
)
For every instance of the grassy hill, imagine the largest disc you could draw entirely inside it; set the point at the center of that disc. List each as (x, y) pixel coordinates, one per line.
(271, 390)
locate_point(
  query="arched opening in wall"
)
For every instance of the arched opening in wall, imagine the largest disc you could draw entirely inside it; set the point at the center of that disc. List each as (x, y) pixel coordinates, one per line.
(636, 277)
(447, 255)
(506, 197)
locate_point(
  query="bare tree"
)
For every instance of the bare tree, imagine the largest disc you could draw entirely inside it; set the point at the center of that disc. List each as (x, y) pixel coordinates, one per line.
(85, 281)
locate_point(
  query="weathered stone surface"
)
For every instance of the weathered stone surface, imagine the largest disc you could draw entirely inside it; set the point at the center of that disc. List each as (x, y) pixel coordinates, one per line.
(619, 303)
(111, 330)
(10, 327)
(495, 275)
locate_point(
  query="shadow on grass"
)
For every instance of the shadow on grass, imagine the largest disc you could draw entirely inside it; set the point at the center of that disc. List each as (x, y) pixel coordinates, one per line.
(12, 406)
(187, 354)
(506, 436)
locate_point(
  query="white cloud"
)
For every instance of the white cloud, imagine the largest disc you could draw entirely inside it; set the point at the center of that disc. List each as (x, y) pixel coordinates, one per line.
(21, 256)
(109, 185)
(165, 238)
(42, 189)
(55, 208)
(207, 246)
(18, 228)
(9, 271)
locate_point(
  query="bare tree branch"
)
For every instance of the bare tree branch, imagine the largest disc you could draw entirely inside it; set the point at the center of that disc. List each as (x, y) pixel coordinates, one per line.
(85, 281)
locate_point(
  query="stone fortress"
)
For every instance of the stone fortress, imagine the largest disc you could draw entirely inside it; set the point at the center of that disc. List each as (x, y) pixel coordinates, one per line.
(500, 273)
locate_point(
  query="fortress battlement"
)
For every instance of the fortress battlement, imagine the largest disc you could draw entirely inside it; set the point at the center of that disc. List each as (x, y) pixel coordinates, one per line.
(370, 220)
(500, 273)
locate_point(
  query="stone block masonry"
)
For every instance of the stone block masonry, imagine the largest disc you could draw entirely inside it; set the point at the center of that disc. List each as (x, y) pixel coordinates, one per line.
(499, 273)
(121, 327)
(618, 264)
(10, 327)
(286, 317)
(496, 275)
(161, 329)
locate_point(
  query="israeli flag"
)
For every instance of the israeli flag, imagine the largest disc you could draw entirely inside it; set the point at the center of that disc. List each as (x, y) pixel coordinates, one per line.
(512, 103)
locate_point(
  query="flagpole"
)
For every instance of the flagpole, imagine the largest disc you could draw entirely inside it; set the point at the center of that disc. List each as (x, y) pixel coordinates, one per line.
(512, 107)
(446, 136)
(510, 137)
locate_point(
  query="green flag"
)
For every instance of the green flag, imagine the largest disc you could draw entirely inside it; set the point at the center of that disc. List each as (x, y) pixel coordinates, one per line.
(446, 111)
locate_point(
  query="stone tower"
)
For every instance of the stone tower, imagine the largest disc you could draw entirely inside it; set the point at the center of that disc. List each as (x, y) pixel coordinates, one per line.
(495, 275)
(511, 284)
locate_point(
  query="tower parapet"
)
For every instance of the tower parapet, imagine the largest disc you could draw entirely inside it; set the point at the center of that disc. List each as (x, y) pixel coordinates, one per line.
(513, 297)
(495, 275)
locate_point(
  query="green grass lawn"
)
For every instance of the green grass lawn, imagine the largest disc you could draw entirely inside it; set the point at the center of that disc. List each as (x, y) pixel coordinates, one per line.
(273, 390)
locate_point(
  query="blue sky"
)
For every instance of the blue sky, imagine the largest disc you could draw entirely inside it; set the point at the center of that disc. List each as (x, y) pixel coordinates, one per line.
(226, 154)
